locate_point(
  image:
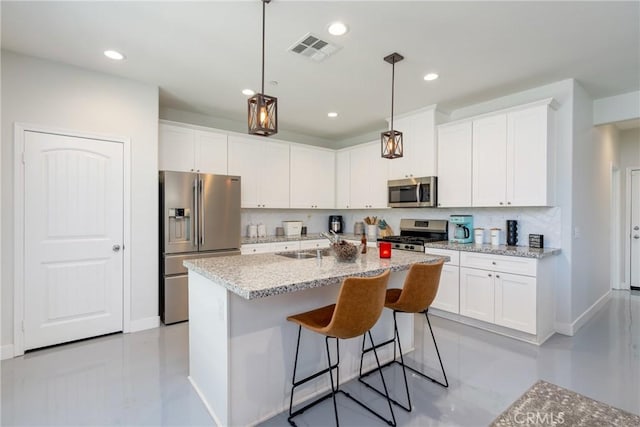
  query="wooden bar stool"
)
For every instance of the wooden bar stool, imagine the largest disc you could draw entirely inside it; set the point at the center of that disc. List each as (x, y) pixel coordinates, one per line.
(418, 291)
(358, 307)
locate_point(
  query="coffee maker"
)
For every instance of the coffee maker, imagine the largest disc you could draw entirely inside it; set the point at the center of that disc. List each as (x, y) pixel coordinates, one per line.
(463, 224)
(336, 224)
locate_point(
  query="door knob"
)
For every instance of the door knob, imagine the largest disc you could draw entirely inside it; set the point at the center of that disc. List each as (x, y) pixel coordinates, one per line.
(116, 248)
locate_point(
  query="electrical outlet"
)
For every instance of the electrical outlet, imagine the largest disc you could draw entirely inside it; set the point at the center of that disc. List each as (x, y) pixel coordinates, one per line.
(577, 233)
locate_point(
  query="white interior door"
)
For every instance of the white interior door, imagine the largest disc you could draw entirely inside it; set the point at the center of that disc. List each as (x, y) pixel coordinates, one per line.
(634, 245)
(73, 261)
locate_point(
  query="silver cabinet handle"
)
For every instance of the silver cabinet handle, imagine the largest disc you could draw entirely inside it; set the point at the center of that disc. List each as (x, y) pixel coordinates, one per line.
(636, 228)
(489, 274)
(636, 237)
(202, 213)
(497, 276)
(116, 248)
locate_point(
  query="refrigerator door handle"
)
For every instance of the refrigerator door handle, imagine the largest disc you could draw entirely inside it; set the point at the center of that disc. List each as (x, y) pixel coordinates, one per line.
(196, 218)
(201, 214)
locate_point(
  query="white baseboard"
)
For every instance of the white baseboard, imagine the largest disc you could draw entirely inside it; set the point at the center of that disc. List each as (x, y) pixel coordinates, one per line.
(6, 352)
(144, 324)
(571, 328)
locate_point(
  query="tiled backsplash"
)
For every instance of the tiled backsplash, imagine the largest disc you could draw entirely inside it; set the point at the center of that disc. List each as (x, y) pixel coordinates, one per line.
(542, 220)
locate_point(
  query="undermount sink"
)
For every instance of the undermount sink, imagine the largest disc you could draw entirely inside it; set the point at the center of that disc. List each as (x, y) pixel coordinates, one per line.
(307, 253)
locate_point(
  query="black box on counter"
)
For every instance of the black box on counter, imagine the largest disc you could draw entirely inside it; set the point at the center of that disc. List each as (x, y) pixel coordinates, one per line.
(536, 241)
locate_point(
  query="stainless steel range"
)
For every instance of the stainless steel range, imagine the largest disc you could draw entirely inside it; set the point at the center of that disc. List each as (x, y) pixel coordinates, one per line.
(414, 233)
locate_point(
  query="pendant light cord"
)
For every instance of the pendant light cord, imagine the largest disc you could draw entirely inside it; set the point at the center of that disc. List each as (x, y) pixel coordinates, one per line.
(393, 78)
(264, 5)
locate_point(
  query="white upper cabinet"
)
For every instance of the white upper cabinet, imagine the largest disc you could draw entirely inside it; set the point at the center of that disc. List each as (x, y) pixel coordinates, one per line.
(368, 173)
(418, 136)
(530, 174)
(184, 149)
(454, 165)
(489, 152)
(263, 166)
(343, 179)
(313, 177)
(512, 163)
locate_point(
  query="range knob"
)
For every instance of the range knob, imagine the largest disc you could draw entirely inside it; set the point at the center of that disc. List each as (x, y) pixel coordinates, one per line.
(407, 247)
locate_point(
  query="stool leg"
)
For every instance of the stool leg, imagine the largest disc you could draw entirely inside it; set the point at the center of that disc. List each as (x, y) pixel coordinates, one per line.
(295, 367)
(446, 382)
(333, 387)
(384, 383)
(404, 371)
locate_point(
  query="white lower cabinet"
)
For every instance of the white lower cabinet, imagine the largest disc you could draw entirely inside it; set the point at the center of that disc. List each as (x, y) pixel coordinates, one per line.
(503, 290)
(448, 296)
(477, 294)
(515, 302)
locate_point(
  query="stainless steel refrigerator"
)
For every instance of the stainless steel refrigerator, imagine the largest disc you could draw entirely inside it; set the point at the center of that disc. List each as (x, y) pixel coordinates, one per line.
(199, 218)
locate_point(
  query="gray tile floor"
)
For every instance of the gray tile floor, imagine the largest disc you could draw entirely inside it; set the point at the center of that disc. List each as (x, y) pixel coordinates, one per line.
(140, 379)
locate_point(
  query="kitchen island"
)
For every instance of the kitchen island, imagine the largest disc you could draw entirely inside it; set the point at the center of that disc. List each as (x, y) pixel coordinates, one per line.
(241, 348)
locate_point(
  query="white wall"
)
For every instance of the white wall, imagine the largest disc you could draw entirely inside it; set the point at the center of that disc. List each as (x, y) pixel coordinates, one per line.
(46, 93)
(594, 152)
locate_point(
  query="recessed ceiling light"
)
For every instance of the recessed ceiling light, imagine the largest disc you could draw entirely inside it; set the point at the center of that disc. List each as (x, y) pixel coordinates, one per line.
(114, 54)
(248, 92)
(337, 29)
(332, 114)
(431, 76)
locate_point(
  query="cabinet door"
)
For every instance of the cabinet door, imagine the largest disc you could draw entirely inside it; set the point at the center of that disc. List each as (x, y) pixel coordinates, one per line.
(360, 181)
(515, 302)
(274, 179)
(448, 295)
(312, 178)
(527, 157)
(176, 148)
(211, 152)
(343, 180)
(245, 160)
(454, 165)
(489, 161)
(477, 294)
(257, 248)
(418, 135)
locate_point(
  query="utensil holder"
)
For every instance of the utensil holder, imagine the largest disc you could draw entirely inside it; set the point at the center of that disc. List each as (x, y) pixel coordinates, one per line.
(372, 232)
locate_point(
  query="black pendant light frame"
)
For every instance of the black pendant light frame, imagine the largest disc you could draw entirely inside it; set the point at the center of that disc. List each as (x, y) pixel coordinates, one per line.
(391, 140)
(263, 109)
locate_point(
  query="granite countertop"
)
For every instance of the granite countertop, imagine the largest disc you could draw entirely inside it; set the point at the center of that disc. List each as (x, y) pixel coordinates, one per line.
(519, 251)
(277, 239)
(263, 275)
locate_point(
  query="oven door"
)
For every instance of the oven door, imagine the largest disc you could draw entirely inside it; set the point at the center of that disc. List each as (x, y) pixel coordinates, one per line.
(412, 193)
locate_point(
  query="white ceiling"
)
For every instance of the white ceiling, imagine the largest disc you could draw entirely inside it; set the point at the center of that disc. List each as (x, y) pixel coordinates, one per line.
(202, 54)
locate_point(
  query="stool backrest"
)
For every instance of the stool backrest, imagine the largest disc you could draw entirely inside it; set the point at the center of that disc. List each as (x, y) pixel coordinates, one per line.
(359, 306)
(420, 287)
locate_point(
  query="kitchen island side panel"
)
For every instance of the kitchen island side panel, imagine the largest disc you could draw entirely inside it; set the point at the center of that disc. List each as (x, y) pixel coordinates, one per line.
(209, 345)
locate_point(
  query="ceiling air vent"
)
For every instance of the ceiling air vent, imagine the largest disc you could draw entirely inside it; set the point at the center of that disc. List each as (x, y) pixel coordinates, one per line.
(314, 48)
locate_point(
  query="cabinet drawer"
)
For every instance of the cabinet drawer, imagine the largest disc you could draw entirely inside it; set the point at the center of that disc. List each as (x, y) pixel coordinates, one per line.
(257, 248)
(286, 246)
(314, 244)
(506, 264)
(454, 255)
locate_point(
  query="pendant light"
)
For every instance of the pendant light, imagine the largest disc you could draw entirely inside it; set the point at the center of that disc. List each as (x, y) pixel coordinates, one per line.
(263, 109)
(391, 140)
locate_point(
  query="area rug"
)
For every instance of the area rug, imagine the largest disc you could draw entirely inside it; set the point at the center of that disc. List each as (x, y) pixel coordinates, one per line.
(546, 404)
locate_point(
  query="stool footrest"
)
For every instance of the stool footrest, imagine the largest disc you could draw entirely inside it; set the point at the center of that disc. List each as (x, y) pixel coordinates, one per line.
(313, 376)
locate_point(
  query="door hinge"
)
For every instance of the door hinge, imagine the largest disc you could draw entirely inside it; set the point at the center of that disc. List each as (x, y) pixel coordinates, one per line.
(23, 326)
(23, 157)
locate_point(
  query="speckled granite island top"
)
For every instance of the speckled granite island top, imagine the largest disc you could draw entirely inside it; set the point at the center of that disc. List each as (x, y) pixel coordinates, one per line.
(520, 251)
(263, 275)
(278, 239)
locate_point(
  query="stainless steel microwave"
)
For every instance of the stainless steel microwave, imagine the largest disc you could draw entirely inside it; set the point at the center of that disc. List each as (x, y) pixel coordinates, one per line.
(413, 192)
